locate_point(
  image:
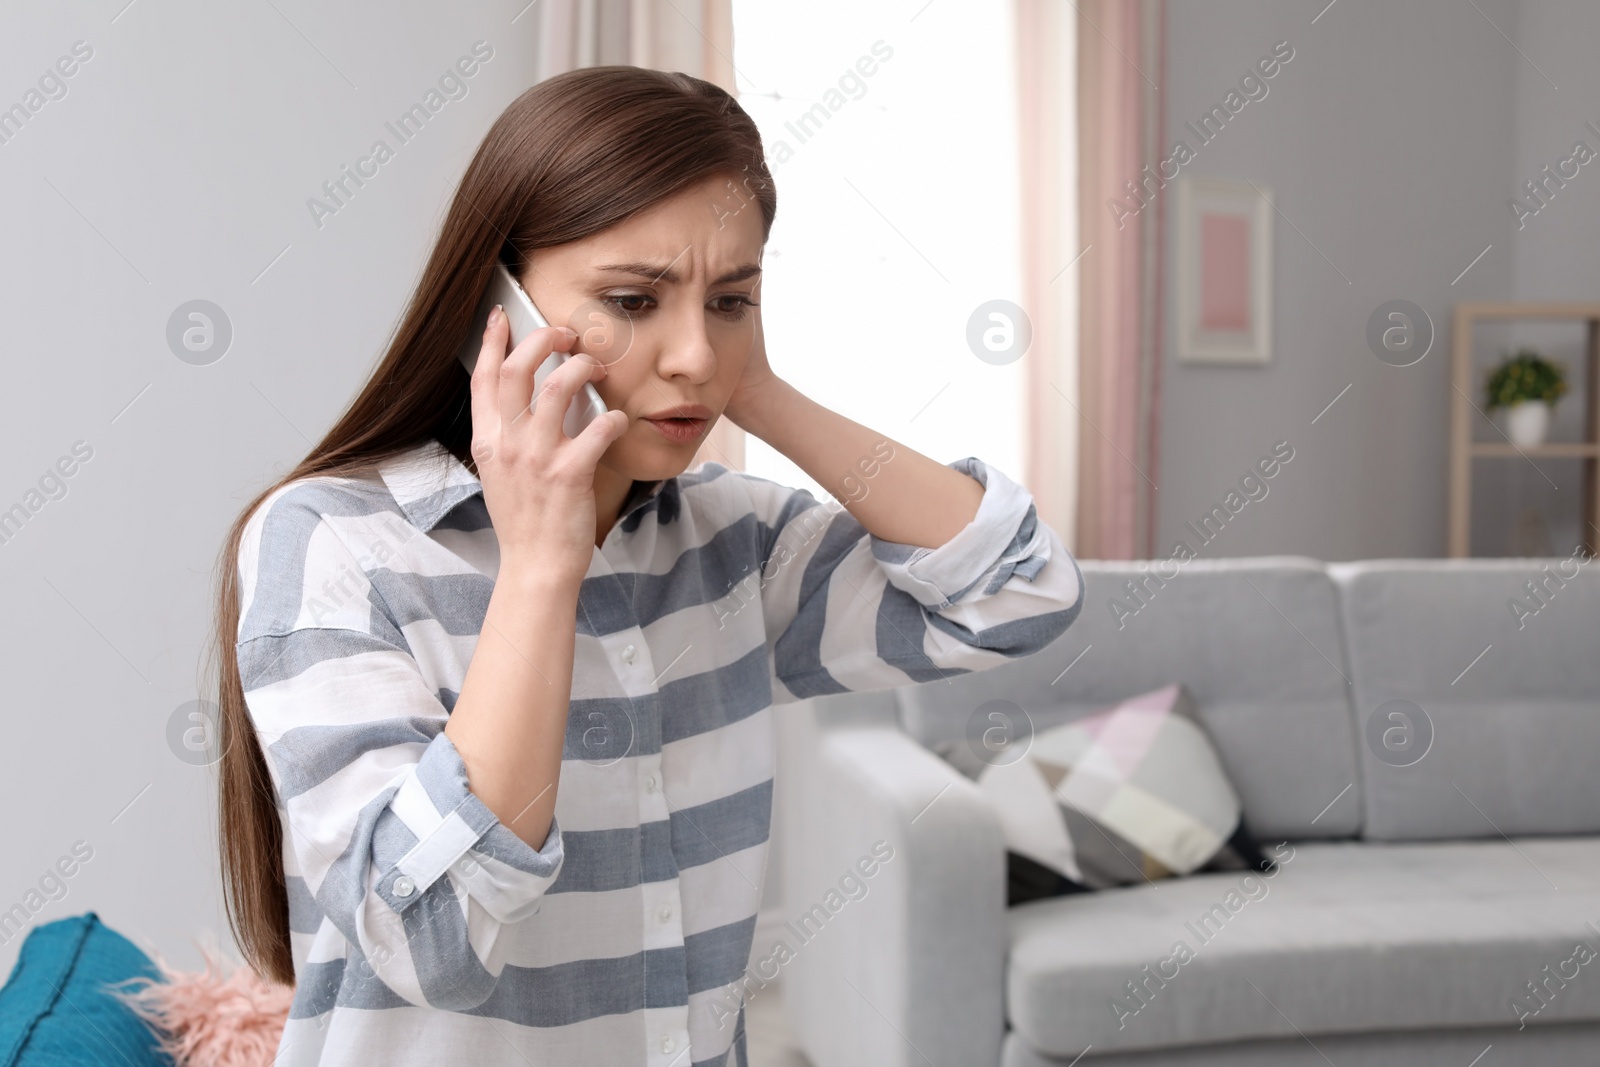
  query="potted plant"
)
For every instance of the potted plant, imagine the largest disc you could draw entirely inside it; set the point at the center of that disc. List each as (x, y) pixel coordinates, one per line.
(1526, 386)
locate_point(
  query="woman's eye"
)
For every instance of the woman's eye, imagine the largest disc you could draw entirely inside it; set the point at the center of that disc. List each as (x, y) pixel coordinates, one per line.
(628, 303)
(733, 305)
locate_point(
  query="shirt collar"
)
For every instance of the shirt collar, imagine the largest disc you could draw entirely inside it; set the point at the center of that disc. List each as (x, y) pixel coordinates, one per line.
(428, 482)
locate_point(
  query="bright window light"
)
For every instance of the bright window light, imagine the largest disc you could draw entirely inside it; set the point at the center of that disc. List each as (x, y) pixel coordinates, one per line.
(891, 134)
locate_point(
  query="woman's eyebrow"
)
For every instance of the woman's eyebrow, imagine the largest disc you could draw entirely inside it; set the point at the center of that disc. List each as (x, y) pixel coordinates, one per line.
(655, 272)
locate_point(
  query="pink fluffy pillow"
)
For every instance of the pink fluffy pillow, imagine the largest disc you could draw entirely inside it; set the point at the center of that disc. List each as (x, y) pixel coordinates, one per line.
(219, 1017)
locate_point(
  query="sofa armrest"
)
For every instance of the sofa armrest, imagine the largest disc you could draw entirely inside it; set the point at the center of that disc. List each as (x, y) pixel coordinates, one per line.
(908, 970)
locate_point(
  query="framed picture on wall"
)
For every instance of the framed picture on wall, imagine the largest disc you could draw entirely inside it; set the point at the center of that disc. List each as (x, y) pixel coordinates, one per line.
(1224, 267)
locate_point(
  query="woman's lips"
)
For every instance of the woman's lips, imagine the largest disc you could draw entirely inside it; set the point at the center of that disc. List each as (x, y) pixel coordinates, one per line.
(679, 430)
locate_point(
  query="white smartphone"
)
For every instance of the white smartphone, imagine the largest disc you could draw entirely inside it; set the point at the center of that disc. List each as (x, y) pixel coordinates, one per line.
(524, 318)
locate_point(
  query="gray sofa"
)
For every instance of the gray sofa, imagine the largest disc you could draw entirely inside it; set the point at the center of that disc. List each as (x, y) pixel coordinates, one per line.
(1442, 912)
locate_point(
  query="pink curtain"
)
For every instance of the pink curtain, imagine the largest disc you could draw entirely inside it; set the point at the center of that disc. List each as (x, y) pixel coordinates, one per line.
(1120, 67)
(1047, 147)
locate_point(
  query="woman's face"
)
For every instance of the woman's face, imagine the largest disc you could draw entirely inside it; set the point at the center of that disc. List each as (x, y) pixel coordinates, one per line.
(665, 301)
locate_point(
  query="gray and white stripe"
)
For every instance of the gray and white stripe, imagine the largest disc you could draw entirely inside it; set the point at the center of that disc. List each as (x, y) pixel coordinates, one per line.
(424, 930)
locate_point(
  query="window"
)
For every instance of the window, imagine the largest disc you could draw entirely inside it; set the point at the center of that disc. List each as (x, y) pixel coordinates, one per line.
(892, 140)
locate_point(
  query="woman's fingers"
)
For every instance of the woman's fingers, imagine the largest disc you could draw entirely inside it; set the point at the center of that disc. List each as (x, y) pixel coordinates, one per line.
(517, 374)
(504, 403)
(555, 396)
(590, 445)
(486, 383)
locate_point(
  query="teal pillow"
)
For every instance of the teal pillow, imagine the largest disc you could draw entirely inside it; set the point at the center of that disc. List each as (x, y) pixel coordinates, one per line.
(53, 1010)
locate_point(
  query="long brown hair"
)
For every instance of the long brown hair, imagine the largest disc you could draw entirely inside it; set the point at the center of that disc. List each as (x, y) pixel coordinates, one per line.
(573, 155)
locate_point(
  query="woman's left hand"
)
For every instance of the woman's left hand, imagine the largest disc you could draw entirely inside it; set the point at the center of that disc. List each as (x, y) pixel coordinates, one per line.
(757, 383)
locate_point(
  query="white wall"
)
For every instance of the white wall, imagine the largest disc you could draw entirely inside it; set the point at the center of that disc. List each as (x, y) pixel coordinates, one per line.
(177, 167)
(1388, 141)
(1556, 256)
(1557, 252)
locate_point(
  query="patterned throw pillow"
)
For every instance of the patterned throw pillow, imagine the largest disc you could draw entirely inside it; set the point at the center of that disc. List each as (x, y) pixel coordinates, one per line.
(1129, 794)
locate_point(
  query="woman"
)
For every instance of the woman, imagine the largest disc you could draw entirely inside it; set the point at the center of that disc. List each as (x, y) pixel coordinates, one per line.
(497, 772)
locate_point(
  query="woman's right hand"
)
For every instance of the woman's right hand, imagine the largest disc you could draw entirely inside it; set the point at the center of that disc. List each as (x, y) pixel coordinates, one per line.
(538, 483)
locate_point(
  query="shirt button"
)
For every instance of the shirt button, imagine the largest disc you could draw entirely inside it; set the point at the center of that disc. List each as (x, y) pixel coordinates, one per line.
(666, 912)
(627, 654)
(650, 783)
(667, 1044)
(403, 886)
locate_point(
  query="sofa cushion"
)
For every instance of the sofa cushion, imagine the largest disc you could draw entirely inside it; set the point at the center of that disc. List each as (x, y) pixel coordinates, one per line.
(1345, 937)
(54, 1009)
(1130, 794)
(1255, 641)
(1495, 692)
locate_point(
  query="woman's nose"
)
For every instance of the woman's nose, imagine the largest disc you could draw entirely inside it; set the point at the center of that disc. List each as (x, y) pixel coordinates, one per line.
(688, 352)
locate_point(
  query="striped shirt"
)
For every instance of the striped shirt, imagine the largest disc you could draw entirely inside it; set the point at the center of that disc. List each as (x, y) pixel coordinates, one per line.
(423, 930)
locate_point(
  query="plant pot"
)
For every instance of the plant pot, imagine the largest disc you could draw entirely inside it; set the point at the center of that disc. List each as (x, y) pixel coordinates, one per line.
(1527, 422)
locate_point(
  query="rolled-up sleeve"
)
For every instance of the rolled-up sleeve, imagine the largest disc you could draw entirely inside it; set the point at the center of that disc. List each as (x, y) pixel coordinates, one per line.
(399, 853)
(849, 611)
